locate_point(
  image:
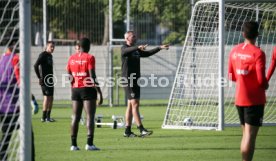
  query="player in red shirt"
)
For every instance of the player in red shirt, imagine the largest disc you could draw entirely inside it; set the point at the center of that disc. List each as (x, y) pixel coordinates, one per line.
(247, 69)
(81, 67)
(272, 65)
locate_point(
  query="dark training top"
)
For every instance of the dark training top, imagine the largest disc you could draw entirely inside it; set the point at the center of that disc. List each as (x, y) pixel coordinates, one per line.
(131, 59)
(45, 61)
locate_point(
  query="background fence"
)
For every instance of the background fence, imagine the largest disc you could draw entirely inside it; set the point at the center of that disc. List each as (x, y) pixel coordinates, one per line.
(155, 22)
(162, 66)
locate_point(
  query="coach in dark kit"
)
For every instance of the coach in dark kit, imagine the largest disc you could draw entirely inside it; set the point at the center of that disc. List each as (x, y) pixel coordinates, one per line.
(131, 71)
(44, 70)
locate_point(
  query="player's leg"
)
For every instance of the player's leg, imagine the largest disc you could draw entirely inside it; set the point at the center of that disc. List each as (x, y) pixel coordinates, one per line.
(9, 123)
(248, 142)
(45, 93)
(76, 110)
(89, 95)
(241, 114)
(47, 106)
(44, 109)
(128, 114)
(135, 105)
(253, 117)
(33, 146)
(50, 100)
(90, 109)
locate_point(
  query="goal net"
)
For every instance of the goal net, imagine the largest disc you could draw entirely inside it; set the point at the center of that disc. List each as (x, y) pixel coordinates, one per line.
(12, 33)
(194, 100)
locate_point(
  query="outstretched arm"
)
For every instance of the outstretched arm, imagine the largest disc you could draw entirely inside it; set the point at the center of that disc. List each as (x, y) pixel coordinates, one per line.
(152, 51)
(126, 51)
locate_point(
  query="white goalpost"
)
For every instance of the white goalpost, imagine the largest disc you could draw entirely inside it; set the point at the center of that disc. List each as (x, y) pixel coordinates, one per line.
(202, 97)
(25, 131)
(15, 111)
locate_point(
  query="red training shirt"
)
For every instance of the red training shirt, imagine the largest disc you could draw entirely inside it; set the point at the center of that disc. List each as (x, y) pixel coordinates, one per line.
(247, 69)
(272, 65)
(79, 65)
(15, 64)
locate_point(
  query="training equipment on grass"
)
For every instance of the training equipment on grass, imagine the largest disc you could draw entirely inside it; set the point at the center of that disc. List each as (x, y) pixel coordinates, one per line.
(141, 117)
(201, 89)
(118, 121)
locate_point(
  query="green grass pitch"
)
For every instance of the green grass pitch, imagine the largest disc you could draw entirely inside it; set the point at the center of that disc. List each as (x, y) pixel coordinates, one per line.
(52, 140)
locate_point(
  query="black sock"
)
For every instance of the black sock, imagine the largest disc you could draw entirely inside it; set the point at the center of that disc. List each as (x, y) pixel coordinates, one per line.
(90, 139)
(48, 114)
(74, 140)
(44, 115)
(141, 128)
(128, 129)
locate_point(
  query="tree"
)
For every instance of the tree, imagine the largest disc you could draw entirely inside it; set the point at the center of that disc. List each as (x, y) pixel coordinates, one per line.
(119, 11)
(90, 18)
(171, 14)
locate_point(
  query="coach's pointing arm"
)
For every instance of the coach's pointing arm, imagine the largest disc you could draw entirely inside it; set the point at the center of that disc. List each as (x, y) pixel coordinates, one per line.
(127, 51)
(144, 53)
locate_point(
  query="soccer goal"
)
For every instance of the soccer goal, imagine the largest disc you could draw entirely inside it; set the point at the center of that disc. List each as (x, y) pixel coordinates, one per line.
(15, 113)
(202, 97)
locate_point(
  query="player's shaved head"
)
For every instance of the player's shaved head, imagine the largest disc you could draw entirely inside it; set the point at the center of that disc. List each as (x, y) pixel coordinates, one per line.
(128, 33)
(85, 44)
(130, 37)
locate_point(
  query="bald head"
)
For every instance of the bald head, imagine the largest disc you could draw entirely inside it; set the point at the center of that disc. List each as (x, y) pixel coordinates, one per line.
(130, 38)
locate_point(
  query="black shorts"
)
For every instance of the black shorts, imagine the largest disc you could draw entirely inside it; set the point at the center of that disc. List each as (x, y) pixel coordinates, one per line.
(252, 115)
(132, 92)
(86, 93)
(47, 90)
